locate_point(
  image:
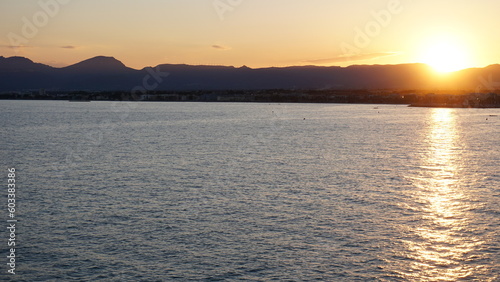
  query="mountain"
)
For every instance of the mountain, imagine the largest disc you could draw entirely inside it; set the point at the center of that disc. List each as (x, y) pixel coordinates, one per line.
(98, 64)
(108, 74)
(98, 73)
(18, 73)
(20, 64)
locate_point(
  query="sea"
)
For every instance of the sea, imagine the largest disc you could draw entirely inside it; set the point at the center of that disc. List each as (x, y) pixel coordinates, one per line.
(165, 191)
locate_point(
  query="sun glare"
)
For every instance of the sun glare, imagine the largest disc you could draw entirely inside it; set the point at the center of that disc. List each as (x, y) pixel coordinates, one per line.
(446, 57)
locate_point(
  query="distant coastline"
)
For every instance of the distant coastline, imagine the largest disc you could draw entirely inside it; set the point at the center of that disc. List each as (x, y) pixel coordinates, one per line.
(108, 79)
(411, 98)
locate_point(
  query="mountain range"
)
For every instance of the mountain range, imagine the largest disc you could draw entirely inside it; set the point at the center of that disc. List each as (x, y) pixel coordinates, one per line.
(109, 74)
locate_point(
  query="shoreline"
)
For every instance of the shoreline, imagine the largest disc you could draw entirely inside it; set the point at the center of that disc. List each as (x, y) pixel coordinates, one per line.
(413, 98)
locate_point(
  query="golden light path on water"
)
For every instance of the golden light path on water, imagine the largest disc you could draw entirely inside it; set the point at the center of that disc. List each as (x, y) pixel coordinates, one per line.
(440, 246)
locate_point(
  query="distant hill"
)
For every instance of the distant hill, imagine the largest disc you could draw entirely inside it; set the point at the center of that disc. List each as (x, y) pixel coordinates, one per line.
(97, 64)
(108, 74)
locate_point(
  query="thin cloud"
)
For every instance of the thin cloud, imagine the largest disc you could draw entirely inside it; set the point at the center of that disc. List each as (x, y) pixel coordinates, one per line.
(42, 46)
(15, 47)
(221, 47)
(352, 58)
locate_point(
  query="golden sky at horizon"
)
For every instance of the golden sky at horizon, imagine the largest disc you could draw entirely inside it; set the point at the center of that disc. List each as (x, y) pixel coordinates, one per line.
(446, 34)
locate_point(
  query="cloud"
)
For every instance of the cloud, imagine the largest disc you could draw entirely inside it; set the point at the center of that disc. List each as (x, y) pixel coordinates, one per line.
(15, 47)
(43, 46)
(221, 47)
(352, 58)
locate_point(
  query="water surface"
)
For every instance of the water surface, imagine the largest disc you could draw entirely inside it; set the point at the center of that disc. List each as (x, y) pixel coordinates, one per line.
(228, 191)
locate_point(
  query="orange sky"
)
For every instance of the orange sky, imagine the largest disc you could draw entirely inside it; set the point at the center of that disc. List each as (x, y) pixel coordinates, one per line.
(256, 33)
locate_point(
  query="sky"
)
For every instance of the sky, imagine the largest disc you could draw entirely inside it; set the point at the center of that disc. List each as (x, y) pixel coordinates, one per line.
(447, 34)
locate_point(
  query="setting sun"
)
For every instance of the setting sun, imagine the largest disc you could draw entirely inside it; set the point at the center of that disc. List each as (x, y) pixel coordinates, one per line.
(446, 57)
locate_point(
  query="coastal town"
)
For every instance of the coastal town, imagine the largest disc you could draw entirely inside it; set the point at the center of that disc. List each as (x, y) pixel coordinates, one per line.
(411, 97)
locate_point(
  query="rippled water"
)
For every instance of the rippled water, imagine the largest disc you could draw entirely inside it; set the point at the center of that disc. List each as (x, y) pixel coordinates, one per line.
(209, 191)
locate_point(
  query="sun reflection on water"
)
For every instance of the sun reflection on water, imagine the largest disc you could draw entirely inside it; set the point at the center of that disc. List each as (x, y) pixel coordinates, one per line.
(438, 247)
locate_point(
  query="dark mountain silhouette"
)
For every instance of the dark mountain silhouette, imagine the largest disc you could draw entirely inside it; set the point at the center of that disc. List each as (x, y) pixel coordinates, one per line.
(98, 73)
(21, 64)
(98, 64)
(107, 73)
(18, 73)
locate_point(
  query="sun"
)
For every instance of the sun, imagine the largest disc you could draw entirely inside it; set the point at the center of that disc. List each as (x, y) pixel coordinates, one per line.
(445, 57)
